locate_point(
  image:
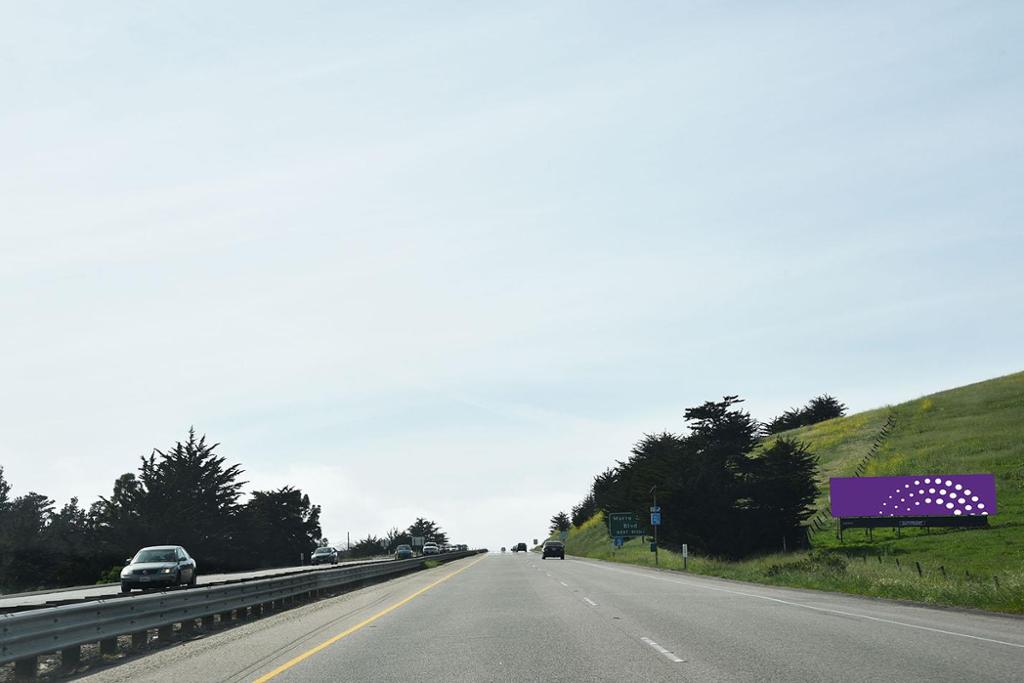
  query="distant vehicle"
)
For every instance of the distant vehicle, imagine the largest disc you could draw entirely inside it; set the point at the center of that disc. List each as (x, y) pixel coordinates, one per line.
(519, 547)
(403, 552)
(325, 555)
(158, 565)
(431, 548)
(502, 548)
(552, 549)
(445, 548)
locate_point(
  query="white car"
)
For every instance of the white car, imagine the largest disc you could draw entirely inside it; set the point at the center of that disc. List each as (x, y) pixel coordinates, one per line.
(158, 565)
(430, 548)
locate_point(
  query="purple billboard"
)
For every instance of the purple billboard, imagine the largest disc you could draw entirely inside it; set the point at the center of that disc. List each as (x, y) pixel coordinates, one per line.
(944, 495)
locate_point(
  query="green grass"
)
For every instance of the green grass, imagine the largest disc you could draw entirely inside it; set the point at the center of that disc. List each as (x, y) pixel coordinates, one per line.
(823, 569)
(976, 428)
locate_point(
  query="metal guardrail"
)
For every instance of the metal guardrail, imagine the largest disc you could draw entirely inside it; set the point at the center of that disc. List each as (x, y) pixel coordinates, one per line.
(26, 635)
(19, 604)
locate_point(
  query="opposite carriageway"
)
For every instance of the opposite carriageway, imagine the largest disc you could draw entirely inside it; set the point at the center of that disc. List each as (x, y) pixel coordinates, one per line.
(26, 635)
(18, 602)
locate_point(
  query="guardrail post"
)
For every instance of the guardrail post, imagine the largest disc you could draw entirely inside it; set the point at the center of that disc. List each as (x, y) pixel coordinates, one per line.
(70, 657)
(165, 632)
(139, 639)
(226, 617)
(25, 669)
(208, 622)
(108, 646)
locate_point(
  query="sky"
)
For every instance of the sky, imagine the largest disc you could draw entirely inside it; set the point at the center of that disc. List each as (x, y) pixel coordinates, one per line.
(451, 260)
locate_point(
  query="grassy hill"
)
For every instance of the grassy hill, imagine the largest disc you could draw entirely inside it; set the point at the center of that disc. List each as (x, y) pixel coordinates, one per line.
(976, 428)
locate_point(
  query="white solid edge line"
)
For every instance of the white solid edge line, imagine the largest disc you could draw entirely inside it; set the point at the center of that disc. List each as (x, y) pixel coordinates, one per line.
(590, 602)
(810, 607)
(662, 650)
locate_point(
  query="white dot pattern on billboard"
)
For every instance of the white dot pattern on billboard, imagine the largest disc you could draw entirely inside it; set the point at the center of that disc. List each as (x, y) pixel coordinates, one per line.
(956, 503)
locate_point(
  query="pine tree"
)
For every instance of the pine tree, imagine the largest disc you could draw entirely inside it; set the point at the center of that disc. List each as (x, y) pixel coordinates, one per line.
(560, 522)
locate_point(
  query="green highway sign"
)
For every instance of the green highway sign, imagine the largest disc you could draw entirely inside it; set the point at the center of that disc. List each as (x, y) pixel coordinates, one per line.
(624, 524)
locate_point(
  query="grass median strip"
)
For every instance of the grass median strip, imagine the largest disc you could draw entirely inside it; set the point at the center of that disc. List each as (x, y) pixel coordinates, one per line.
(347, 632)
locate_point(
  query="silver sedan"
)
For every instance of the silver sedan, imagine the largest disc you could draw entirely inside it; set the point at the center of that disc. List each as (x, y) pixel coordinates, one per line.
(158, 565)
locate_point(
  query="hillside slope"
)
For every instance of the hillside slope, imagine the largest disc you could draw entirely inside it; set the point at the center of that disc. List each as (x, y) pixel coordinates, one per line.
(975, 428)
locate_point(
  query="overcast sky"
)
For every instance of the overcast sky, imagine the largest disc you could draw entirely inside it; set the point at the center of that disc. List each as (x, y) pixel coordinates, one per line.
(450, 260)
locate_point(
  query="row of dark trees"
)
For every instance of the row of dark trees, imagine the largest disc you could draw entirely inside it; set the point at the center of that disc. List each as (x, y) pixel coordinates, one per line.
(818, 409)
(720, 489)
(374, 545)
(187, 495)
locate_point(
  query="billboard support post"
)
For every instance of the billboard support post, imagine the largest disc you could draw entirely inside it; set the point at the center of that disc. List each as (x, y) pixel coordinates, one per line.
(897, 523)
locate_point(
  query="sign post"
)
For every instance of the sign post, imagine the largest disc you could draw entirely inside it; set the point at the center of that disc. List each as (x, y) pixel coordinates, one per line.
(655, 520)
(686, 553)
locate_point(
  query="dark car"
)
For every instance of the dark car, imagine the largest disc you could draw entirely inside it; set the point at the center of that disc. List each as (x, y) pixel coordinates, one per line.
(552, 549)
(325, 555)
(403, 552)
(519, 548)
(159, 565)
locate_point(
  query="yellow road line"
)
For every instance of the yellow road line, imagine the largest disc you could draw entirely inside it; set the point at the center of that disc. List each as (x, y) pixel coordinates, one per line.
(330, 641)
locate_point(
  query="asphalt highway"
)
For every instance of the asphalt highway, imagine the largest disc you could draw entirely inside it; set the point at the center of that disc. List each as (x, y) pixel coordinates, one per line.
(81, 592)
(515, 617)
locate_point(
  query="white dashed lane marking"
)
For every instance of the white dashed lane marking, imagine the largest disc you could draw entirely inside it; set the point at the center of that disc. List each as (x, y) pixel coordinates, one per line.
(810, 607)
(590, 602)
(668, 655)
